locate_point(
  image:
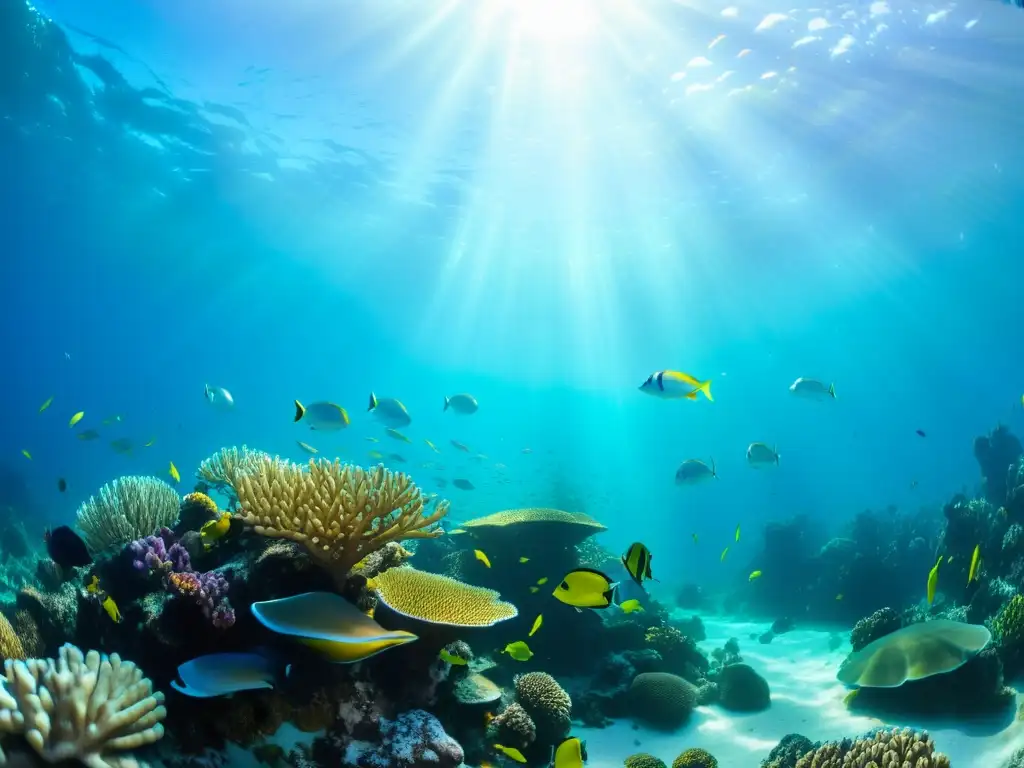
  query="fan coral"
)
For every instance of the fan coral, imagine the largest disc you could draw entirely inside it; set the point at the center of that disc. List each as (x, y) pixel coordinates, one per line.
(10, 643)
(547, 703)
(695, 758)
(437, 599)
(662, 699)
(80, 706)
(340, 512)
(126, 509)
(870, 628)
(886, 747)
(643, 760)
(741, 689)
(514, 727)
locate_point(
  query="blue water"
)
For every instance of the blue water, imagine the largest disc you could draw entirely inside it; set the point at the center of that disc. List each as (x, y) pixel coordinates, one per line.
(419, 199)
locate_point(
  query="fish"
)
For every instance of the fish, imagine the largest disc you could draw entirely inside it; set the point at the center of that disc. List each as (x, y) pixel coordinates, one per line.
(519, 651)
(173, 472)
(542, 582)
(113, 419)
(26, 454)
(322, 415)
(571, 753)
(219, 398)
(222, 674)
(479, 555)
(89, 434)
(754, 576)
(452, 658)
(307, 448)
(46, 404)
(839, 596)
(111, 608)
(62, 484)
(534, 590)
(463, 484)
(760, 455)
(122, 445)
(213, 530)
(149, 443)
(511, 752)
(933, 581)
(93, 586)
(586, 588)
(536, 624)
(972, 574)
(431, 446)
(737, 533)
(464, 404)
(389, 411)
(76, 418)
(694, 537)
(724, 553)
(920, 433)
(375, 455)
(950, 560)
(812, 389)
(66, 548)
(694, 471)
(460, 446)
(631, 606)
(372, 439)
(524, 559)
(394, 433)
(673, 385)
(637, 562)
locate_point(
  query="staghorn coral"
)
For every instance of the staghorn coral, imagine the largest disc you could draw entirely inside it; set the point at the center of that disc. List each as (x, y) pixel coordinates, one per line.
(695, 758)
(125, 510)
(662, 699)
(437, 599)
(340, 512)
(10, 643)
(643, 760)
(870, 628)
(80, 707)
(886, 748)
(513, 727)
(547, 703)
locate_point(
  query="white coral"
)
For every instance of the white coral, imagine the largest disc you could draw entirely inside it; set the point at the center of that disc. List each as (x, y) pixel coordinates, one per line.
(80, 706)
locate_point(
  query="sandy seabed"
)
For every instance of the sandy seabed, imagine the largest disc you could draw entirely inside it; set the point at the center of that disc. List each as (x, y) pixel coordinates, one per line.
(806, 699)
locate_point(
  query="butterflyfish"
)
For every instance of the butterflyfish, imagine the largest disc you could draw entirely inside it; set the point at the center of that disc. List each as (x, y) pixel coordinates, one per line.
(329, 624)
(464, 404)
(46, 404)
(452, 658)
(322, 416)
(571, 753)
(519, 651)
(631, 606)
(76, 418)
(933, 580)
(215, 529)
(972, 574)
(637, 562)
(221, 674)
(511, 752)
(754, 576)
(111, 608)
(694, 471)
(761, 455)
(390, 411)
(173, 472)
(586, 588)
(812, 389)
(673, 385)
(536, 624)
(479, 555)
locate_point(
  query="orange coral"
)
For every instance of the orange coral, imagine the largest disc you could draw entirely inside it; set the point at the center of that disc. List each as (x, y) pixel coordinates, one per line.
(184, 583)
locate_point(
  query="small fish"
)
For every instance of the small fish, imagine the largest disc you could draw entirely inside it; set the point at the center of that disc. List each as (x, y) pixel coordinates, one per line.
(431, 446)
(76, 418)
(694, 471)
(464, 404)
(395, 434)
(754, 576)
(933, 581)
(524, 559)
(93, 586)
(527, 451)
(694, 537)
(534, 590)
(452, 658)
(542, 582)
(62, 484)
(972, 574)
(511, 752)
(519, 651)
(89, 434)
(637, 562)
(307, 448)
(631, 606)
(839, 596)
(66, 548)
(111, 608)
(760, 455)
(724, 553)
(389, 411)
(950, 560)
(586, 588)
(375, 455)
(913, 484)
(219, 398)
(372, 439)
(213, 530)
(812, 389)
(112, 419)
(122, 445)
(149, 443)
(173, 472)
(479, 555)
(571, 753)
(536, 624)
(460, 446)
(673, 385)
(46, 404)
(737, 533)
(920, 433)
(463, 484)
(26, 454)
(322, 415)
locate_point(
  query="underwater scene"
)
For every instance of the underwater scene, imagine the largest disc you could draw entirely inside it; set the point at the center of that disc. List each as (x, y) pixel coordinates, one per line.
(499, 383)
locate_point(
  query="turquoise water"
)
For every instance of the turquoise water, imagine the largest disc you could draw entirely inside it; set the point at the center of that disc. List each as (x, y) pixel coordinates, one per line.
(538, 207)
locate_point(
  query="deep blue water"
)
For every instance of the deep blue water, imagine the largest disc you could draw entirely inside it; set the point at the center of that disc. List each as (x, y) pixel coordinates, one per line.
(419, 199)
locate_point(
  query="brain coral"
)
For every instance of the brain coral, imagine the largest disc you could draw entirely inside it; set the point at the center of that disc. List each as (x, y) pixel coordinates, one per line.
(741, 689)
(643, 760)
(662, 699)
(887, 747)
(514, 727)
(437, 599)
(695, 758)
(547, 703)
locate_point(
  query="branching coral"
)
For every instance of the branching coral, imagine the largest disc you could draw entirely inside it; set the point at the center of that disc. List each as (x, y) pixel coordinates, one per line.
(340, 512)
(80, 706)
(887, 748)
(547, 703)
(125, 510)
(223, 469)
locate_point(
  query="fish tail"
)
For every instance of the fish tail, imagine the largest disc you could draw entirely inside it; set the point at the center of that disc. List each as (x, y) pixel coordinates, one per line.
(714, 471)
(299, 410)
(705, 387)
(447, 402)
(832, 390)
(373, 402)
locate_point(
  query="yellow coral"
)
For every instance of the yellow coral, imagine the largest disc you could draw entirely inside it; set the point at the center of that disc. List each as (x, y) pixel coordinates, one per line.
(183, 582)
(438, 599)
(535, 516)
(643, 760)
(340, 512)
(10, 643)
(893, 747)
(200, 500)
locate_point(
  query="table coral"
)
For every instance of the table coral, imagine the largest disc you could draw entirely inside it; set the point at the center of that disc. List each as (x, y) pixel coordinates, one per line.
(436, 599)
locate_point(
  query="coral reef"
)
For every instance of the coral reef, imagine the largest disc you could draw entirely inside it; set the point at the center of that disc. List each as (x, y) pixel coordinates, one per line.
(662, 700)
(643, 760)
(513, 727)
(788, 751)
(126, 509)
(435, 599)
(870, 628)
(885, 747)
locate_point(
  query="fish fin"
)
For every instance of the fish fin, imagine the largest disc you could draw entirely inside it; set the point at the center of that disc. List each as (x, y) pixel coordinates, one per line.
(373, 402)
(447, 402)
(705, 387)
(832, 390)
(299, 410)
(714, 471)
(691, 395)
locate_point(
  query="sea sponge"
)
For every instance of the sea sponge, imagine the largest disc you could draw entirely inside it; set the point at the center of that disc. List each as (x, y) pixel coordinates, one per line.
(547, 703)
(695, 758)
(643, 760)
(565, 529)
(741, 689)
(664, 700)
(437, 599)
(340, 512)
(10, 643)
(887, 748)
(870, 628)
(80, 706)
(129, 508)
(514, 727)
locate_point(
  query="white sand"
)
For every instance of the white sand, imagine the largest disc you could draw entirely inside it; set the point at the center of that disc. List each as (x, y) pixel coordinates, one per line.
(806, 699)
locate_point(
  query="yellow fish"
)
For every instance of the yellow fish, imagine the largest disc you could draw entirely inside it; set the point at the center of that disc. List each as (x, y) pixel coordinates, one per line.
(372, 439)
(572, 753)
(737, 533)
(511, 752)
(724, 553)
(93, 586)
(375, 455)
(76, 418)
(26, 454)
(671, 385)
(215, 529)
(754, 576)
(518, 650)
(542, 582)
(629, 606)
(149, 443)
(536, 624)
(397, 435)
(586, 588)
(933, 581)
(111, 608)
(950, 560)
(482, 557)
(47, 404)
(972, 574)
(535, 590)
(174, 473)
(524, 559)
(452, 658)
(432, 447)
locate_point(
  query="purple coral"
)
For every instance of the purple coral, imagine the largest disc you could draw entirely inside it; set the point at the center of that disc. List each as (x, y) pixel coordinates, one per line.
(209, 591)
(160, 553)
